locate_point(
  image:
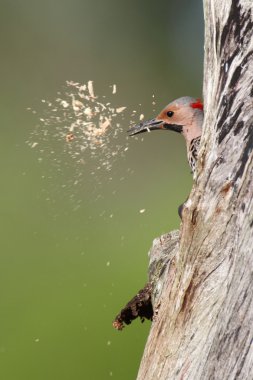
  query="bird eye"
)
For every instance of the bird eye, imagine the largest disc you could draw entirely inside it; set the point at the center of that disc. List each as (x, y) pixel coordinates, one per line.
(170, 113)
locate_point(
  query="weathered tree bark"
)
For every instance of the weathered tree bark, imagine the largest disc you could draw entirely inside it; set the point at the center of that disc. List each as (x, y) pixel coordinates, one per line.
(203, 327)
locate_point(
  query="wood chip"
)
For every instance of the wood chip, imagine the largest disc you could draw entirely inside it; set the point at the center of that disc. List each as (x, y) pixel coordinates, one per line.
(70, 137)
(120, 109)
(90, 89)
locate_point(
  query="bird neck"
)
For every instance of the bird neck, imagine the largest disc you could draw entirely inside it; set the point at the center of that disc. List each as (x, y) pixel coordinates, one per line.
(193, 128)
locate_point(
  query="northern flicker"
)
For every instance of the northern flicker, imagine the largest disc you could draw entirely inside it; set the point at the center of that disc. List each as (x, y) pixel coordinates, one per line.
(183, 115)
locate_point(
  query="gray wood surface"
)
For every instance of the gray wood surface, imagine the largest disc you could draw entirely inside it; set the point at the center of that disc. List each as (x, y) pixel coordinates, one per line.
(203, 298)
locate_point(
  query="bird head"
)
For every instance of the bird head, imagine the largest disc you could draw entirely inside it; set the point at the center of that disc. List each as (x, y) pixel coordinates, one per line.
(183, 115)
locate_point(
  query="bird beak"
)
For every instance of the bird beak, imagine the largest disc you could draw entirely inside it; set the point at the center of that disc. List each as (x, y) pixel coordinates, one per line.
(154, 124)
(146, 126)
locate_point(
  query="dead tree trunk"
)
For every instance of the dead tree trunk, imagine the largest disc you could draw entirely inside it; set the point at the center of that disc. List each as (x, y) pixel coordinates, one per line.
(204, 323)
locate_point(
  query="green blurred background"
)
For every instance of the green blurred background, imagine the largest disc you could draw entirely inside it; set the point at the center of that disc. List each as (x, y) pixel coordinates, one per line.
(66, 271)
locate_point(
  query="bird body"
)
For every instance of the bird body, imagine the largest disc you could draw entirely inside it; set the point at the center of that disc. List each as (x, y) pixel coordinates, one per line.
(183, 115)
(192, 154)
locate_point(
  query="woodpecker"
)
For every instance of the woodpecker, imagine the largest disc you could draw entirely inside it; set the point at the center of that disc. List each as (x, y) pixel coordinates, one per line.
(183, 115)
